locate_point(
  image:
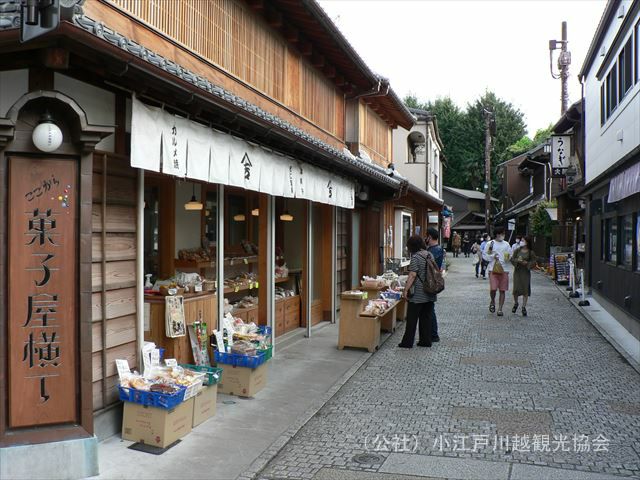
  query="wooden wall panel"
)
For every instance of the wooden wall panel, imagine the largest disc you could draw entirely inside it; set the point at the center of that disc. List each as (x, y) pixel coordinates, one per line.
(115, 190)
(119, 303)
(118, 275)
(119, 331)
(120, 219)
(119, 246)
(126, 351)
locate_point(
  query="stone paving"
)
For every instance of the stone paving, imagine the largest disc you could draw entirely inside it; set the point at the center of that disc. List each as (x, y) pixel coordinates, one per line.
(545, 390)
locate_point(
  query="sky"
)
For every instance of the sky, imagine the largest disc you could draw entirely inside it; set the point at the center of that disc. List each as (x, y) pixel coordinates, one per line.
(456, 48)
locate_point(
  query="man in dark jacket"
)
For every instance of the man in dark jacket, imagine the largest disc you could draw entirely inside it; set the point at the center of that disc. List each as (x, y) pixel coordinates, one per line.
(438, 254)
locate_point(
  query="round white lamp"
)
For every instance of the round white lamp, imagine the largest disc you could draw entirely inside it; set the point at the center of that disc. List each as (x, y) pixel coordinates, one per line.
(47, 136)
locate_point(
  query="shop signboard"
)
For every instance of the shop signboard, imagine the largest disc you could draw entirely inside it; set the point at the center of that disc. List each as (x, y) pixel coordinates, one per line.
(560, 153)
(42, 288)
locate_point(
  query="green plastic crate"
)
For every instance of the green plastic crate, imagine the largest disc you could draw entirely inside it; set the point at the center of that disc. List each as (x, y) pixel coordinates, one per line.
(213, 376)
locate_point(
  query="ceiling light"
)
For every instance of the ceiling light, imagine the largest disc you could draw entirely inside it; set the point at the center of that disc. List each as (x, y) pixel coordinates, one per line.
(286, 217)
(193, 204)
(255, 212)
(239, 217)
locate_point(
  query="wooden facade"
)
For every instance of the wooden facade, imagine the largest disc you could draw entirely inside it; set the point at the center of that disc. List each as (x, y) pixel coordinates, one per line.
(113, 273)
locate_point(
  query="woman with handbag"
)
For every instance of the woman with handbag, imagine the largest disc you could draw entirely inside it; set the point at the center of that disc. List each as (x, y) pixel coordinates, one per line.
(523, 259)
(476, 254)
(419, 303)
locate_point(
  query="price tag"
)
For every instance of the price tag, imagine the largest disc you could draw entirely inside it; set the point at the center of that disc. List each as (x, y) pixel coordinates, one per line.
(236, 289)
(246, 262)
(219, 340)
(171, 362)
(123, 369)
(257, 285)
(155, 357)
(365, 295)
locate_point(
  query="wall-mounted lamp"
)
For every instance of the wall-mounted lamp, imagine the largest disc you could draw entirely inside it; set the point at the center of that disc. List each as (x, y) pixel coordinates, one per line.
(239, 217)
(286, 216)
(193, 204)
(47, 136)
(255, 212)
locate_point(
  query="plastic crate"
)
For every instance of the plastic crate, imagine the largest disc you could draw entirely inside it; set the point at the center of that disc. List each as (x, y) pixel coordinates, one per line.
(195, 387)
(264, 330)
(268, 352)
(237, 360)
(152, 399)
(212, 374)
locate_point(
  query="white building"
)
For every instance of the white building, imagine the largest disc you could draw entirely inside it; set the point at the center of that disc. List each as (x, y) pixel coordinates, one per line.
(417, 154)
(611, 80)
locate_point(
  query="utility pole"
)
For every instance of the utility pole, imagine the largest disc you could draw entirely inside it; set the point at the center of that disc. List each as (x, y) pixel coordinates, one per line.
(488, 117)
(564, 60)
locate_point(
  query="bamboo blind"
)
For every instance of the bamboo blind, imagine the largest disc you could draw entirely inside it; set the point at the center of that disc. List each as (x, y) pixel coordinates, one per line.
(376, 133)
(318, 102)
(222, 31)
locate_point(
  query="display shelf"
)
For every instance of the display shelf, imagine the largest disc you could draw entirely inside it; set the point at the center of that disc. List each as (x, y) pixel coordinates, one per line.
(250, 286)
(229, 261)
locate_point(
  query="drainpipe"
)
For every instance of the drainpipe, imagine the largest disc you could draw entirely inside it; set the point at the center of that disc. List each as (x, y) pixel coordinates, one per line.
(139, 268)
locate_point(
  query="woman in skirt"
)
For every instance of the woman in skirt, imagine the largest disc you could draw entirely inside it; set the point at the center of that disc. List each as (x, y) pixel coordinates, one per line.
(523, 259)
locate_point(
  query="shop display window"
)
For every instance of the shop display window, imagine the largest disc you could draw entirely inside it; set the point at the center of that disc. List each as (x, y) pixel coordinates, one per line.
(638, 242)
(627, 241)
(611, 228)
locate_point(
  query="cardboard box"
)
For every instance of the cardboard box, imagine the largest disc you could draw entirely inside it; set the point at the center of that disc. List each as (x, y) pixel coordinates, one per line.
(242, 381)
(204, 406)
(156, 426)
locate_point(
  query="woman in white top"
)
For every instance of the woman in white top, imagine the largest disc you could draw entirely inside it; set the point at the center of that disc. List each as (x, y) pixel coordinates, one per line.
(498, 253)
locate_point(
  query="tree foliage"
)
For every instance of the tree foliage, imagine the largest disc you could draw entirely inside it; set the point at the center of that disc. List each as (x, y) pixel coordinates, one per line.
(540, 221)
(462, 133)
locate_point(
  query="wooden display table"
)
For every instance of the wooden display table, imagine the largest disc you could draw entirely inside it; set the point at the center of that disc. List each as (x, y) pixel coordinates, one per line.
(388, 319)
(180, 347)
(401, 310)
(356, 330)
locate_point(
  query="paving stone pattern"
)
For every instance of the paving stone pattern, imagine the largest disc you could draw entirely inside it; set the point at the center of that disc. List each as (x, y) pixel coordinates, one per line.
(511, 379)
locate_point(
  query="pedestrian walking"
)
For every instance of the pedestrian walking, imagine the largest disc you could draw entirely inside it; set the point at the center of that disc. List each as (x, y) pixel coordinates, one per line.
(455, 243)
(523, 260)
(483, 262)
(476, 254)
(434, 248)
(498, 253)
(516, 244)
(419, 303)
(466, 244)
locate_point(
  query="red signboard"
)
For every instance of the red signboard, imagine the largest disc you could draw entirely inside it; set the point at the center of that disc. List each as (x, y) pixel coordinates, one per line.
(43, 324)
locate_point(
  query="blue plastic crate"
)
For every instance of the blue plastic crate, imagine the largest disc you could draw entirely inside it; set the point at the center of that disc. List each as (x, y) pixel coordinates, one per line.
(264, 330)
(237, 360)
(153, 399)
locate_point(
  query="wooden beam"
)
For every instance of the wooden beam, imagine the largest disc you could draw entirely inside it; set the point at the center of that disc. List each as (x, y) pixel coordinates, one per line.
(306, 49)
(57, 58)
(256, 4)
(330, 71)
(274, 18)
(318, 61)
(290, 34)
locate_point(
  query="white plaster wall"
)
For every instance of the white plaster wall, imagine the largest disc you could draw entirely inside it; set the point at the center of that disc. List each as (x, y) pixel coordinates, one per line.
(602, 149)
(416, 173)
(98, 104)
(13, 84)
(187, 221)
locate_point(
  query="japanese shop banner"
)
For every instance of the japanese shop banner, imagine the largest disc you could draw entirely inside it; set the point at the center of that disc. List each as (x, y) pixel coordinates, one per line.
(219, 160)
(166, 143)
(146, 136)
(175, 132)
(199, 153)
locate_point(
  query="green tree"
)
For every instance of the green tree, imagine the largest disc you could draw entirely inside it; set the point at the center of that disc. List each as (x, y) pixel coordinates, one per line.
(462, 133)
(525, 143)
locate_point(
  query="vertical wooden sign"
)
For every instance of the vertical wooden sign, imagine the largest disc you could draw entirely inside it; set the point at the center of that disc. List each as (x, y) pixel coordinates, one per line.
(42, 283)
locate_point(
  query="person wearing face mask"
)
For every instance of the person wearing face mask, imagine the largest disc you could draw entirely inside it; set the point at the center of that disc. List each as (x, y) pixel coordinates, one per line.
(483, 263)
(523, 259)
(498, 253)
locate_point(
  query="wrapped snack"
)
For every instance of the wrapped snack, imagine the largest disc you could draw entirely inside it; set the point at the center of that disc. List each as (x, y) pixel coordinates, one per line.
(243, 348)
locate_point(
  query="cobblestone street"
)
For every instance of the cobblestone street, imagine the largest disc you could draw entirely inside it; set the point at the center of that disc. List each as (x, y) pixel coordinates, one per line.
(496, 398)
